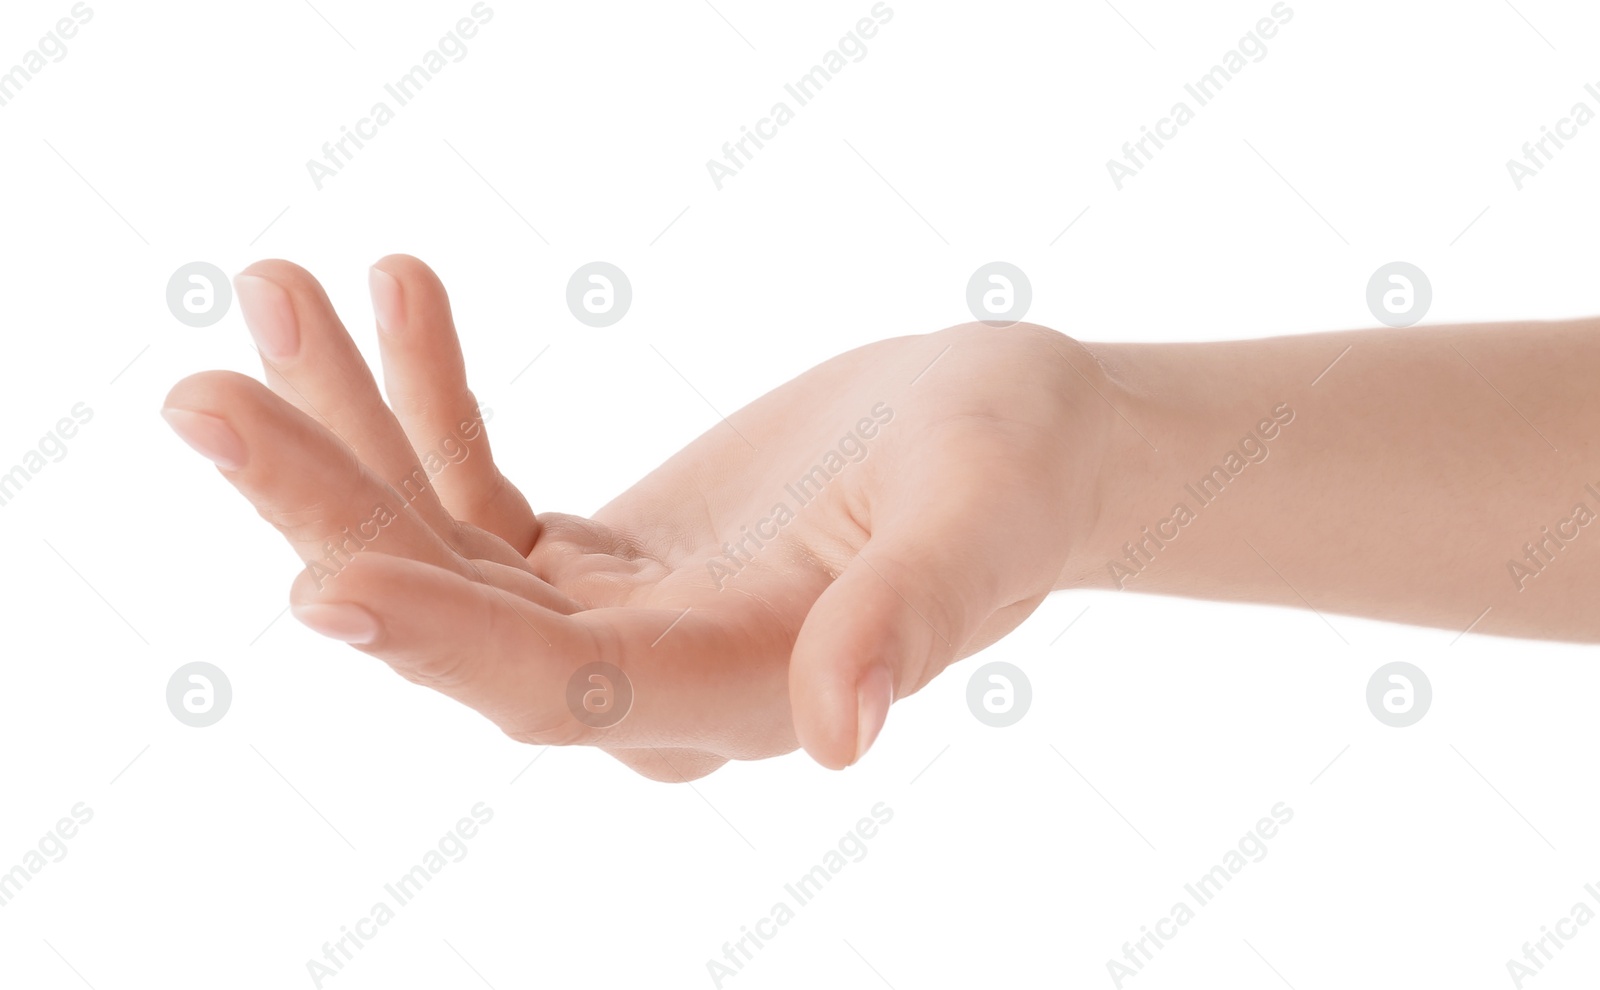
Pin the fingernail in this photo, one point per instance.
(874, 695)
(345, 623)
(269, 313)
(388, 305)
(210, 436)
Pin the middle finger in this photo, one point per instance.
(312, 362)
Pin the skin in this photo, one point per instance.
(978, 469)
(1420, 466)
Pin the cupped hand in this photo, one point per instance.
(824, 551)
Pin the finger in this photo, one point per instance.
(426, 381)
(666, 765)
(311, 361)
(697, 684)
(950, 560)
(880, 630)
(679, 685)
(936, 567)
(507, 658)
(301, 478)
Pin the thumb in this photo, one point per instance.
(894, 618)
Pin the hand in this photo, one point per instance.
(828, 549)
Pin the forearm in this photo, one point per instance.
(1428, 475)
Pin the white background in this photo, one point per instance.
(226, 856)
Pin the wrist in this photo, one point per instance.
(1113, 449)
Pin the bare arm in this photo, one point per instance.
(1421, 475)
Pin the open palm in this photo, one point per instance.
(827, 549)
